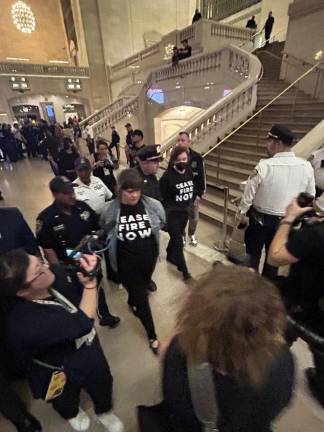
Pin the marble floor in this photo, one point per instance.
(136, 371)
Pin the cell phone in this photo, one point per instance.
(77, 256)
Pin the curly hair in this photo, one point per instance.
(234, 319)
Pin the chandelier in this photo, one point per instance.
(23, 17)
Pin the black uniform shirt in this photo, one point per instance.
(198, 170)
(15, 232)
(59, 231)
(306, 277)
(151, 187)
(47, 332)
(66, 163)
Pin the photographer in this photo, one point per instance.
(51, 336)
(104, 166)
(303, 289)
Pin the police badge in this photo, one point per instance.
(85, 215)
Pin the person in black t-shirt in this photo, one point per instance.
(115, 140)
(66, 159)
(104, 166)
(62, 226)
(177, 190)
(134, 244)
(185, 52)
(234, 320)
(129, 142)
(303, 290)
(50, 330)
(137, 145)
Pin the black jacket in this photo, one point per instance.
(151, 187)
(198, 170)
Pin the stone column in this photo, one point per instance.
(99, 81)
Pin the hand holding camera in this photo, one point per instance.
(88, 265)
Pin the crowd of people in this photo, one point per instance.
(233, 320)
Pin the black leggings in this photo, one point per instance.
(135, 273)
(177, 221)
(97, 382)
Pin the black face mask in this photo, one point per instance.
(181, 166)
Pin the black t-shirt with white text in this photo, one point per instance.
(177, 189)
(134, 230)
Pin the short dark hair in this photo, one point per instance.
(130, 179)
(13, 270)
(175, 153)
(138, 132)
(102, 141)
(185, 133)
(184, 40)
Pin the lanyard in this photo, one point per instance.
(61, 301)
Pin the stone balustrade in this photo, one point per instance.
(105, 112)
(37, 70)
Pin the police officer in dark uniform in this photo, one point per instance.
(148, 159)
(135, 147)
(62, 225)
(15, 232)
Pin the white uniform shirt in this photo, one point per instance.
(316, 161)
(95, 194)
(276, 182)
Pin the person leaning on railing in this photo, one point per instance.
(234, 320)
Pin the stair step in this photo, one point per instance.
(226, 180)
(212, 215)
(243, 153)
(217, 202)
(247, 164)
(240, 172)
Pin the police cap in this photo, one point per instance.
(281, 133)
(150, 152)
(82, 163)
(60, 184)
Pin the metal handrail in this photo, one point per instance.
(221, 245)
(272, 39)
(316, 65)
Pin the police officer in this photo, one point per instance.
(272, 185)
(89, 188)
(302, 291)
(149, 158)
(15, 232)
(198, 170)
(317, 161)
(62, 225)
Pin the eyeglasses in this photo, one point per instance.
(41, 272)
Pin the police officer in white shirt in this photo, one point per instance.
(89, 188)
(271, 187)
(317, 161)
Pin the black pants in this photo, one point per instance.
(135, 274)
(257, 236)
(103, 309)
(267, 35)
(97, 382)
(177, 221)
(111, 146)
(10, 404)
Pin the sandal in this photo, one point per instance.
(154, 346)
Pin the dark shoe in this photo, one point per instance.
(152, 286)
(155, 346)
(314, 386)
(30, 424)
(1, 197)
(186, 276)
(109, 321)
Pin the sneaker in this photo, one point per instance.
(193, 241)
(111, 422)
(81, 422)
(184, 241)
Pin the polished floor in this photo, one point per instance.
(136, 371)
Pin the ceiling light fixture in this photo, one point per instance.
(23, 17)
(58, 61)
(17, 58)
